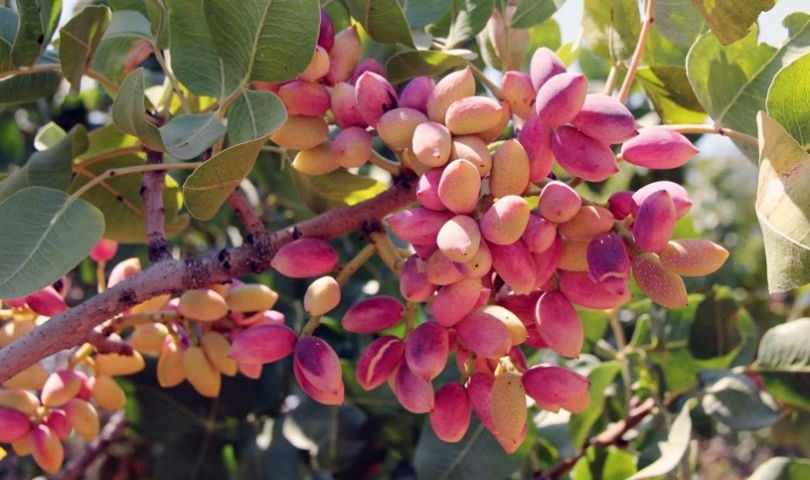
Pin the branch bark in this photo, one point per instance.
(171, 276)
(152, 187)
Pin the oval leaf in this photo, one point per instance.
(732, 81)
(678, 20)
(208, 187)
(783, 206)
(334, 190)
(782, 468)
(467, 18)
(735, 400)
(476, 455)
(411, 64)
(52, 234)
(129, 114)
(673, 450)
(612, 28)
(38, 21)
(253, 115)
(419, 14)
(383, 20)
(731, 20)
(29, 87)
(78, 41)
(187, 136)
(529, 14)
(787, 100)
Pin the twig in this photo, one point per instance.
(174, 276)
(610, 436)
(112, 431)
(243, 210)
(105, 344)
(636, 58)
(621, 348)
(481, 76)
(725, 132)
(154, 213)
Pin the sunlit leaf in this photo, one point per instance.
(612, 28)
(673, 449)
(187, 136)
(467, 18)
(334, 190)
(671, 94)
(129, 114)
(783, 206)
(48, 136)
(119, 197)
(732, 81)
(731, 20)
(383, 20)
(410, 64)
(78, 41)
(253, 115)
(208, 187)
(598, 463)
(678, 20)
(529, 14)
(274, 42)
(38, 21)
(52, 234)
(787, 100)
(782, 468)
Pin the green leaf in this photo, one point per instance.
(783, 206)
(671, 94)
(187, 136)
(731, 20)
(334, 190)
(546, 34)
(732, 82)
(782, 468)
(127, 31)
(410, 64)
(678, 20)
(467, 18)
(8, 30)
(383, 20)
(783, 361)
(129, 113)
(476, 455)
(421, 13)
(714, 331)
(674, 448)
(787, 100)
(274, 41)
(601, 377)
(612, 27)
(48, 136)
(38, 21)
(735, 400)
(53, 167)
(52, 234)
(50, 168)
(78, 41)
(609, 463)
(119, 197)
(154, 11)
(529, 14)
(208, 187)
(25, 88)
(253, 115)
(784, 348)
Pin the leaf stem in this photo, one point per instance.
(387, 251)
(112, 86)
(173, 80)
(494, 89)
(725, 132)
(378, 160)
(621, 355)
(636, 58)
(129, 170)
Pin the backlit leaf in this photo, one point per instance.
(787, 100)
(78, 41)
(334, 190)
(129, 114)
(731, 20)
(383, 20)
(529, 14)
(208, 187)
(783, 206)
(612, 27)
(411, 64)
(673, 449)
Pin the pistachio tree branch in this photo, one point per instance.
(71, 327)
(244, 210)
(154, 212)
